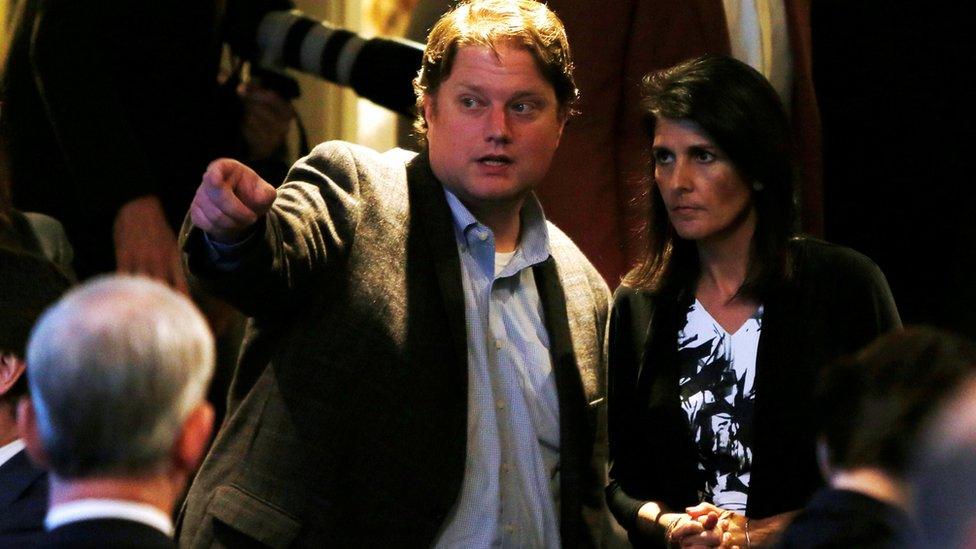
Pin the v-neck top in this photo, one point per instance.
(717, 373)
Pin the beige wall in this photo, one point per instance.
(328, 111)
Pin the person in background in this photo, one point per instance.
(943, 473)
(118, 370)
(113, 109)
(28, 284)
(718, 336)
(874, 407)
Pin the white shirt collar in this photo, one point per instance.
(88, 509)
(9, 450)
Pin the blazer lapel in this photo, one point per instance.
(574, 443)
(427, 196)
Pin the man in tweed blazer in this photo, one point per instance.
(425, 361)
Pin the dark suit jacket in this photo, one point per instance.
(347, 416)
(836, 302)
(105, 533)
(839, 519)
(23, 496)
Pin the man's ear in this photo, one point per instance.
(428, 106)
(563, 118)
(27, 425)
(11, 369)
(194, 438)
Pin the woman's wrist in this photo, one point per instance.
(669, 522)
(654, 519)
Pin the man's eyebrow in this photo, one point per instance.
(522, 94)
(474, 88)
(519, 94)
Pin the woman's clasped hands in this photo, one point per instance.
(705, 525)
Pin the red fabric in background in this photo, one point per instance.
(595, 190)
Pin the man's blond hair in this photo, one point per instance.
(488, 23)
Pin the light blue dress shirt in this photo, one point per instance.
(510, 492)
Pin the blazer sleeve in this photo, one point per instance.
(304, 236)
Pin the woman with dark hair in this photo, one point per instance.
(718, 335)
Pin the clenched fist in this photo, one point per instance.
(231, 198)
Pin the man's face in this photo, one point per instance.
(492, 127)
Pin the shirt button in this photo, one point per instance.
(506, 468)
(482, 236)
(509, 528)
(499, 344)
(500, 404)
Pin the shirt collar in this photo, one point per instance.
(89, 509)
(9, 450)
(534, 237)
(463, 220)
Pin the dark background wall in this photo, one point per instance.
(893, 82)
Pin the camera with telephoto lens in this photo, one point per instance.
(276, 81)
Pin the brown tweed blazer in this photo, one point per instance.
(346, 419)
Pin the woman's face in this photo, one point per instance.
(706, 198)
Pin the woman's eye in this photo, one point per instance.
(663, 157)
(704, 157)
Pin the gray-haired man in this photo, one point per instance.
(118, 370)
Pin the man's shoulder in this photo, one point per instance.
(360, 170)
(345, 154)
(841, 518)
(21, 480)
(23, 500)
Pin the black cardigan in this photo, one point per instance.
(836, 301)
